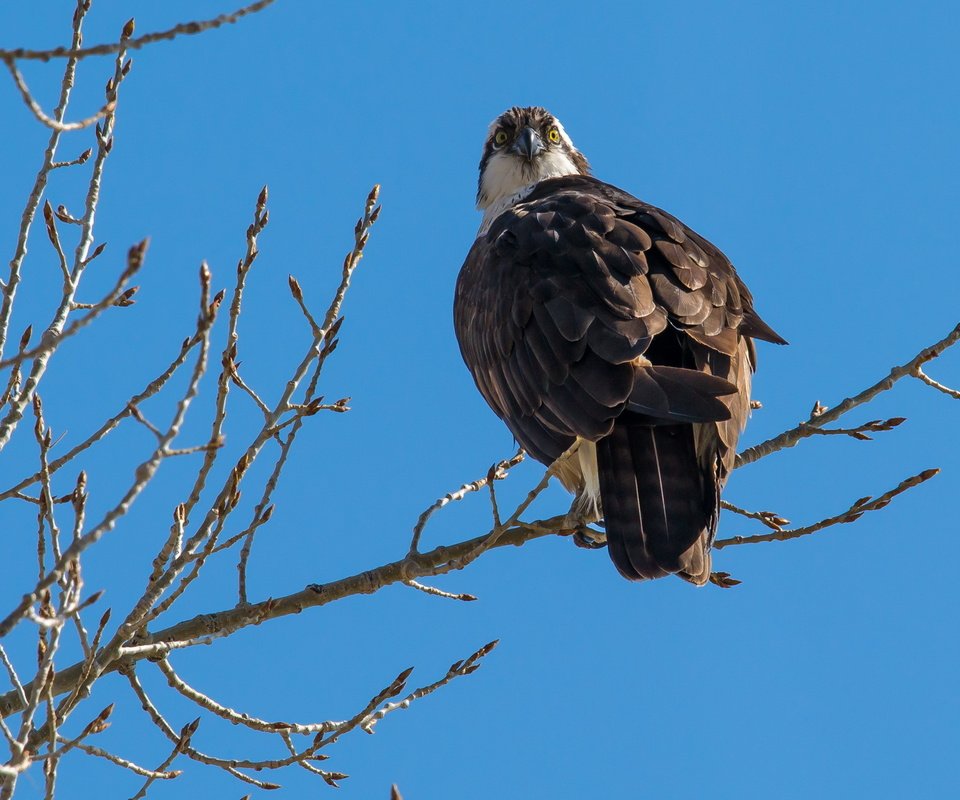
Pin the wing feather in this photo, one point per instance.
(566, 300)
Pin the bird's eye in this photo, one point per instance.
(554, 135)
(500, 138)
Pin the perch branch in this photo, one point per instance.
(227, 621)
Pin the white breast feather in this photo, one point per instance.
(508, 179)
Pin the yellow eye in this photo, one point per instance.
(500, 138)
(554, 135)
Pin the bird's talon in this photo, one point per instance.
(584, 538)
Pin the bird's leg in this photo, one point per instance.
(583, 513)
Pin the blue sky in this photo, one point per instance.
(815, 143)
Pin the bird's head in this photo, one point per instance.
(524, 146)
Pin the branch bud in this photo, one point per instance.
(372, 197)
(126, 299)
(295, 289)
(97, 251)
(135, 256)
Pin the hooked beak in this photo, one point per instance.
(528, 144)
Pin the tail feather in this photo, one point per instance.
(621, 508)
(659, 506)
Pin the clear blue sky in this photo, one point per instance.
(815, 143)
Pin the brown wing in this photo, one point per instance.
(561, 303)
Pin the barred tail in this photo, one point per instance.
(659, 507)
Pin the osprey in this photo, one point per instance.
(588, 316)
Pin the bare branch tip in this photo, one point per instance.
(135, 256)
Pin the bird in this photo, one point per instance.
(615, 343)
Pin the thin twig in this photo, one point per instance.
(433, 590)
(97, 725)
(920, 374)
(142, 477)
(459, 494)
(493, 537)
(806, 429)
(323, 345)
(182, 743)
(227, 621)
(52, 339)
(150, 390)
(457, 669)
(34, 106)
(40, 182)
(127, 764)
(54, 236)
(14, 678)
(235, 717)
(768, 518)
(861, 432)
(76, 52)
(57, 325)
(80, 159)
(856, 510)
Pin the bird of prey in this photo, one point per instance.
(588, 316)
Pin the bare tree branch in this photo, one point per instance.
(40, 182)
(38, 112)
(230, 620)
(768, 518)
(809, 428)
(75, 52)
(921, 375)
(474, 486)
(53, 331)
(856, 510)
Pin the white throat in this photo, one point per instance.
(506, 180)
